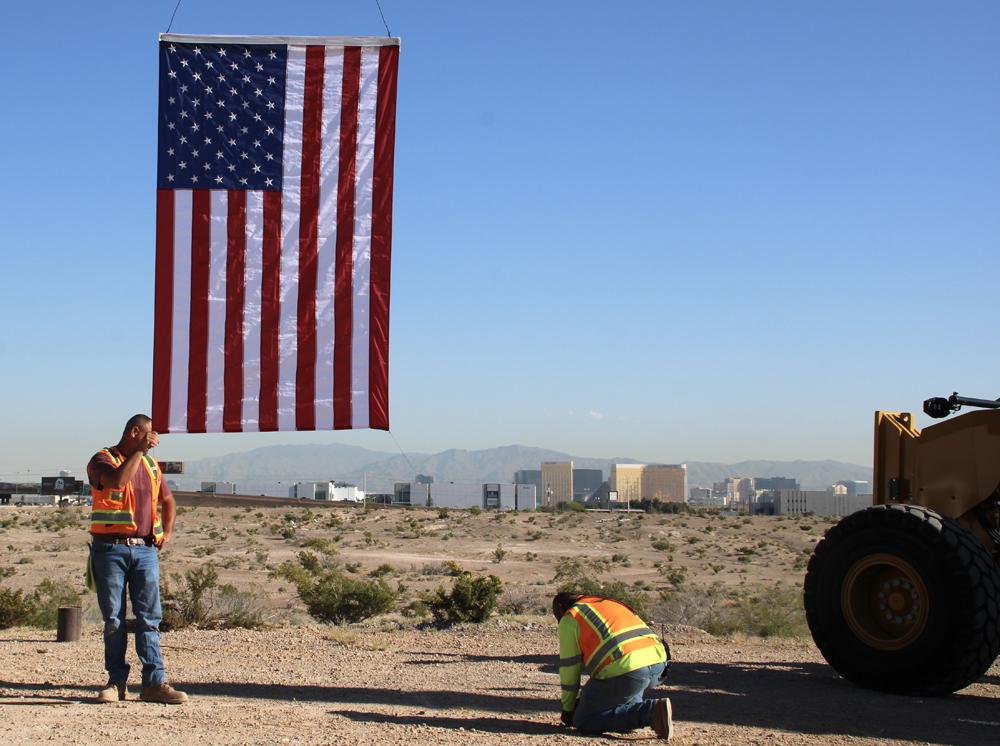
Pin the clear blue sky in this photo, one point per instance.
(702, 231)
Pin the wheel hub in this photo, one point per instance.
(885, 602)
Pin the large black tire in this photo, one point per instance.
(903, 599)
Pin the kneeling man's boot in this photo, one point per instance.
(163, 693)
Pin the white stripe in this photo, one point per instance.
(251, 311)
(181, 323)
(291, 199)
(333, 87)
(363, 236)
(216, 360)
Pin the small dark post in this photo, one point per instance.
(68, 624)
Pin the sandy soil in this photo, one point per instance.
(302, 683)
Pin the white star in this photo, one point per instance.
(196, 76)
(244, 156)
(197, 51)
(172, 74)
(258, 92)
(220, 103)
(256, 143)
(170, 125)
(183, 89)
(220, 129)
(269, 182)
(208, 166)
(232, 117)
(184, 63)
(210, 65)
(222, 79)
(171, 100)
(170, 177)
(270, 104)
(271, 80)
(170, 151)
(194, 177)
(208, 140)
(232, 143)
(218, 154)
(233, 66)
(246, 78)
(256, 169)
(196, 102)
(194, 153)
(231, 167)
(243, 130)
(270, 130)
(259, 67)
(246, 52)
(183, 140)
(258, 118)
(246, 104)
(273, 56)
(270, 157)
(184, 115)
(172, 48)
(222, 52)
(208, 90)
(243, 182)
(195, 127)
(182, 164)
(232, 92)
(208, 115)
(218, 179)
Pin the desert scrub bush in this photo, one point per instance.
(325, 546)
(60, 519)
(662, 545)
(474, 510)
(530, 556)
(335, 598)
(499, 554)
(383, 569)
(472, 599)
(49, 595)
(15, 607)
(692, 539)
(520, 599)
(574, 579)
(761, 611)
(200, 601)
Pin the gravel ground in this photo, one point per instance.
(491, 685)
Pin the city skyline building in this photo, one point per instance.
(557, 482)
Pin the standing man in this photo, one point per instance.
(622, 656)
(127, 532)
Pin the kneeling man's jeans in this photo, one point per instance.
(119, 568)
(616, 705)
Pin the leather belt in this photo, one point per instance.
(132, 541)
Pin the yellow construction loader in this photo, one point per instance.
(904, 596)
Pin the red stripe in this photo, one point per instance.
(312, 141)
(201, 255)
(163, 312)
(270, 311)
(236, 261)
(385, 143)
(343, 309)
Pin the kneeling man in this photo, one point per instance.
(622, 656)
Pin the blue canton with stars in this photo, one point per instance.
(222, 116)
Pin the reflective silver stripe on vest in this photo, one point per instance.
(595, 619)
(571, 687)
(613, 644)
(563, 662)
(111, 517)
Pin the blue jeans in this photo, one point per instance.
(119, 568)
(616, 705)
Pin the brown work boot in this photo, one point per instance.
(163, 693)
(111, 692)
(663, 720)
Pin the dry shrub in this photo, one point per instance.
(757, 611)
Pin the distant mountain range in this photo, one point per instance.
(352, 464)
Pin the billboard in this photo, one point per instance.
(171, 467)
(61, 486)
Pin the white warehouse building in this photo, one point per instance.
(825, 503)
(492, 496)
(336, 491)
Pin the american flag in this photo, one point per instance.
(273, 233)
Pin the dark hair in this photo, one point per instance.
(565, 600)
(137, 420)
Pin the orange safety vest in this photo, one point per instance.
(113, 511)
